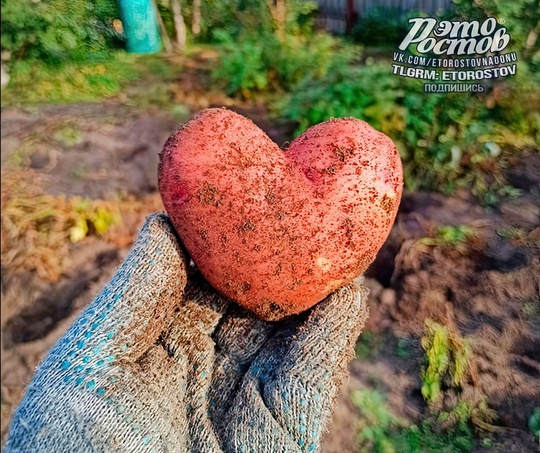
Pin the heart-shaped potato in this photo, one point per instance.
(278, 230)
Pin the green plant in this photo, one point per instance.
(493, 195)
(450, 236)
(521, 18)
(446, 371)
(59, 51)
(90, 216)
(534, 422)
(56, 30)
(259, 60)
(243, 68)
(68, 136)
(403, 348)
(296, 57)
(236, 17)
(446, 141)
(426, 438)
(38, 82)
(347, 91)
(381, 431)
(269, 47)
(378, 425)
(382, 27)
(459, 416)
(447, 360)
(367, 345)
(486, 442)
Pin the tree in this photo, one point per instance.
(196, 17)
(179, 24)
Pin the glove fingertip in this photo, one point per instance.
(349, 301)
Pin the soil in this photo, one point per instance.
(485, 288)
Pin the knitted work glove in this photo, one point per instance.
(161, 362)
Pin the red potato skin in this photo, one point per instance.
(278, 231)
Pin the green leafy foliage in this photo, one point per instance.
(521, 18)
(381, 431)
(446, 140)
(68, 136)
(258, 61)
(450, 236)
(295, 58)
(534, 422)
(265, 49)
(403, 348)
(237, 17)
(454, 235)
(60, 51)
(243, 67)
(427, 439)
(447, 368)
(37, 82)
(368, 344)
(343, 92)
(382, 27)
(56, 30)
(378, 426)
(447, 356)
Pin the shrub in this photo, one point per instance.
(258, 61)
(382, 27)
(242, 67)
(445, 140)
(521, 18)
(364, 92)
(268, 49)
(236, 17)
(56, 30)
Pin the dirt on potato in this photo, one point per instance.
(272, 229)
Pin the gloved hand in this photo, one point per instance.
(159, 361)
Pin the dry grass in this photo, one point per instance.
(38, 229)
